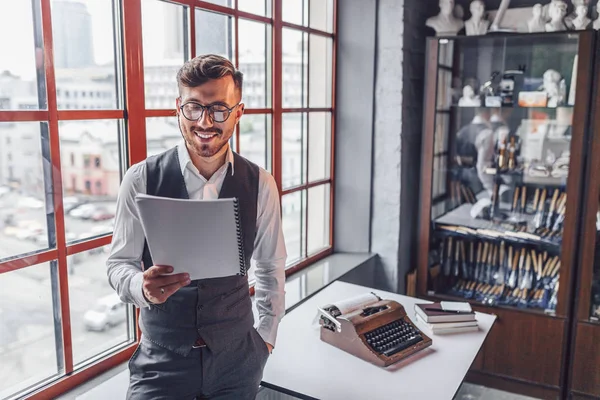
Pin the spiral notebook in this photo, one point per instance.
(201, 237)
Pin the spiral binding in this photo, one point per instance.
(240, 237)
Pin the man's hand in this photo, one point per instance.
(158, 287)
(270, 347)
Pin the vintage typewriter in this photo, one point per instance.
(378, 331)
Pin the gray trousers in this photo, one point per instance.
(233, 373)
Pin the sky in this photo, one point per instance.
(16, 31)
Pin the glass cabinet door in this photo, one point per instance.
(501, 158)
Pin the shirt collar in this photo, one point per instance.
(184, 157)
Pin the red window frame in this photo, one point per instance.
(135, 116)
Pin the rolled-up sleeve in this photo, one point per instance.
(270, 256)
(124, 267)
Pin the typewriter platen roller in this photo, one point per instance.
(380, 333)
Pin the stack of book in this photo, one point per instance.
(445, 317)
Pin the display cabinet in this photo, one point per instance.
(584, 376)
(505, 130)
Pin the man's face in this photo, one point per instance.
(205, 137)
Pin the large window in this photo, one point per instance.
(81, 99)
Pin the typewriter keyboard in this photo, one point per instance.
(393, 337)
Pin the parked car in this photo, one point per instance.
(109, 311)
(84, 211)
(102, 214)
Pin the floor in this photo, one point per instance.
(475, 392)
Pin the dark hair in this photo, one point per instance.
(203, 68)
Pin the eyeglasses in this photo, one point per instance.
(216, 112)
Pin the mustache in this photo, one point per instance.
(209, 130)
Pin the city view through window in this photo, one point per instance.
(92, 127)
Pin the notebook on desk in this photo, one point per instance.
(433, 312)
(201, 237)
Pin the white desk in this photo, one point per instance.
(303, 365)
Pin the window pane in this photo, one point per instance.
(321, 15)
(318, 218)
(224, 3)
(98, 318)
(293, 151)
(255, 139)
(163, 38)
(295, 12)
(23, 200)
(294, 68)
(90, 163)
(292, 218)
(255, 63)
(259, 7)
(320, 71)
(84, 62)
(214, 34)
(27, 330)
(161, 134)
(18, 83)
(319, 141)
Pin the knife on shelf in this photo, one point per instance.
(536, 196)
(539, 215)
(527, 278)
(471, 260)
(484, 258)
(552, 209)
(515, 200)
(492, 266)
(512, 279)
(465, 262)
(456, 266)
(448, 258)
(499, 276)
(554, 272)
(523, 199)
(562, 206)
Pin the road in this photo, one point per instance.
(27, 342)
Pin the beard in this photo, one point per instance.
(204, 147)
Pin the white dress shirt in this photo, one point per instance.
(124, 262)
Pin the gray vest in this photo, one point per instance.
(218, 310)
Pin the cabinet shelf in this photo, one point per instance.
(435, 296)
(461, 217)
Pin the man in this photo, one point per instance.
(198, 339)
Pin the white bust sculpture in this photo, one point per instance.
(469, 99)
(537, 23)
(477, 24)
(557, 12)
(569, 18)
(551, 86)
(445, 23)
(581, 20)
